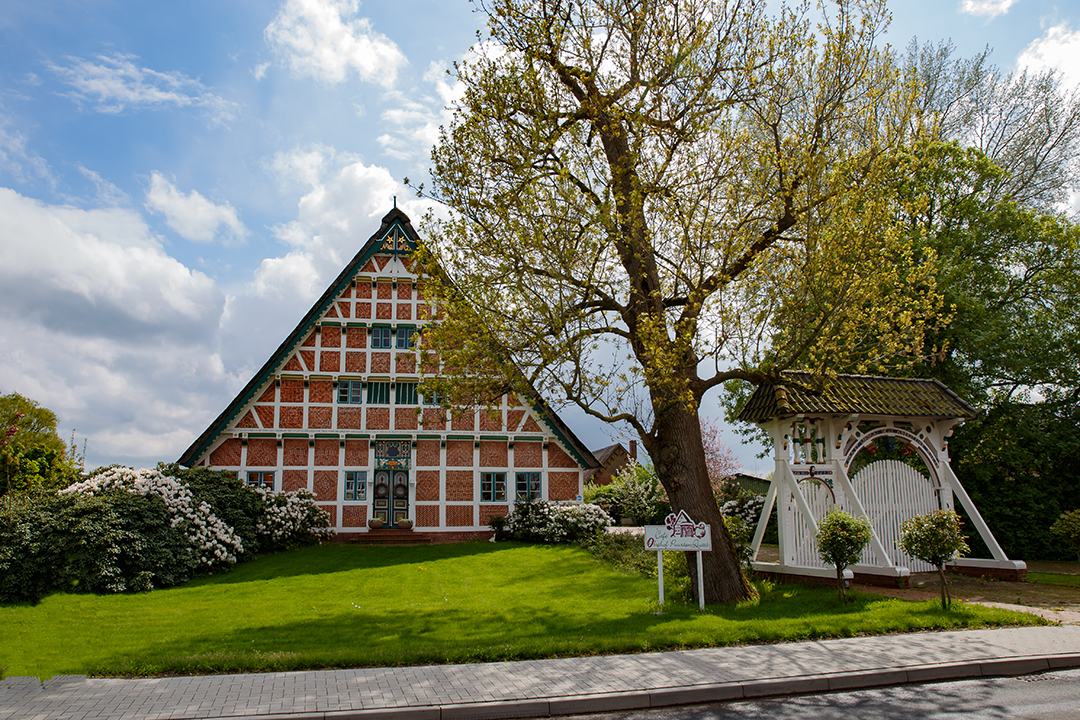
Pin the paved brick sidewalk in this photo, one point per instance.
(556, 687)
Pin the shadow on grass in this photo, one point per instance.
(332, 558)
(411, 635)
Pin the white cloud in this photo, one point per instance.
(107, 330)
(107, 193)
(417, 119)
(192, 216)
(1058, 49)
(21, 163)
(259, 71)
(114, 83)
(325, 39)
(991, 8)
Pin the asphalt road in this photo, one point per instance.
(1046, 696)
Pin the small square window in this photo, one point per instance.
(261, 480)
(378, 393)
(355, 484)
(350, 392)
(528, 486)
(380, 338)
(492, 487)
(405, 337)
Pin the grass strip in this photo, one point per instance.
(1054, 579)
(349, 606)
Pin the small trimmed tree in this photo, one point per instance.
(1068, 527)
(841, 538)
(935, 538)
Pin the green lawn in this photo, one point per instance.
(1054, 579)
(348, 606)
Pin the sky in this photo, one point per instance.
(180, 181)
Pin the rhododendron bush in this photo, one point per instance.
(125, 530)
(556, 522)
(211, 541)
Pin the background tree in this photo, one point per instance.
(32, 454)
(841, 539)
(652, 197)
(935, 538)
(1068, 528)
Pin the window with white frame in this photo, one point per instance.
(261, 480)
(493, 487)
(380, 338)
(355, 484)
(405, 337)
(528, 486)
(350, 391)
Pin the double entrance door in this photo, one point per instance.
(391, 501)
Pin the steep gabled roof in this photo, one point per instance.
(395, 234)
(863, 394)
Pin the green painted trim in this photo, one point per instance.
(353, 436)
(295, 435)
(563, 441)
(262, 435)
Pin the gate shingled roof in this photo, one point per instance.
(863, 394)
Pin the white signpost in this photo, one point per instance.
(679, 532)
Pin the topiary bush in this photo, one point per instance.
(840, 540)
(935, 538)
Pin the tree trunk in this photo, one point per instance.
(679, 456)
(840, 585)
(944, 589)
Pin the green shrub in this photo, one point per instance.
(635, 493)
(553, 522)
(840, 540)
(627, 553)
(236, 504)
(1068, 527)
(935, 538)
(291, 520)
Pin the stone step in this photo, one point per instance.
(391, 536)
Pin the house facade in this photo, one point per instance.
(336, 410)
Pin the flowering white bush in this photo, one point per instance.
(290, 519)
(555, 522)
(212, 541)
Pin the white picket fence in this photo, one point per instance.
(890, 492)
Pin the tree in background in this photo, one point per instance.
(653, 197)
(841, 539)
(935, 538)
(1068, 528)
(32, 454)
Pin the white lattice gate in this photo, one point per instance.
(892, 492)
(820, 501)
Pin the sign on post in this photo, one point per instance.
(679, 532)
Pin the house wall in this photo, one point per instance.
(296, 428)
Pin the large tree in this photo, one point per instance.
(651, 197)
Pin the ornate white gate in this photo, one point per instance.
(892, 492)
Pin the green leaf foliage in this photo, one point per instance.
(841, 538)
(32, 454)
(1018, 464)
